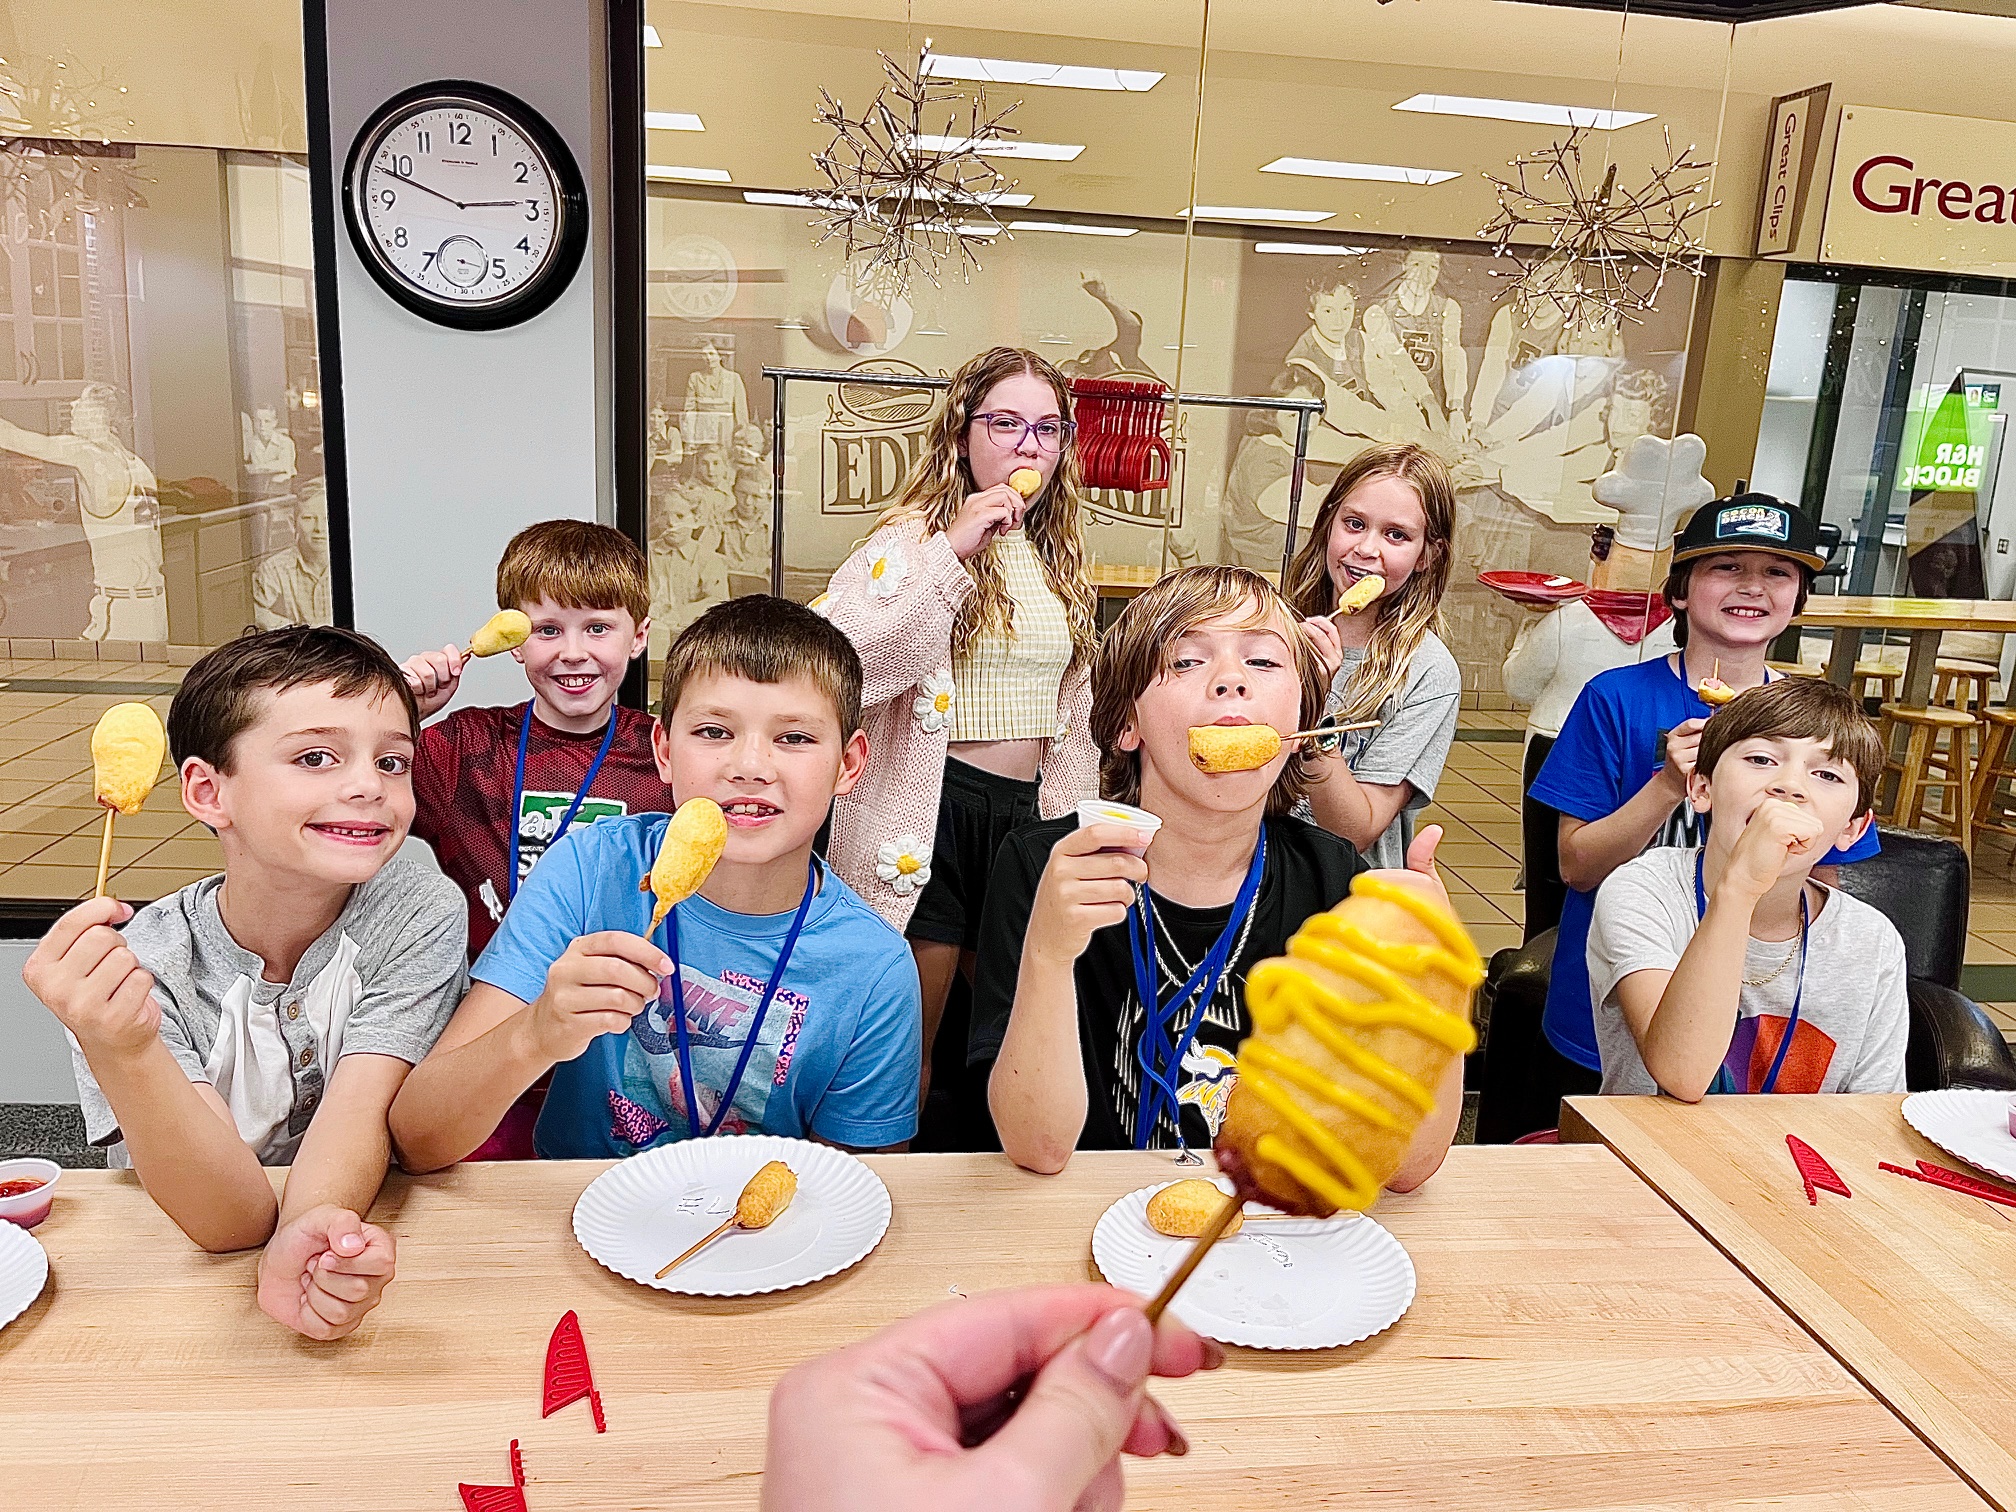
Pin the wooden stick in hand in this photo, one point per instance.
(104, 855)
(1191, 1261)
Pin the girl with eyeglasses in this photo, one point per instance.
(976, 624)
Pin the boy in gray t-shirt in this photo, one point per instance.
(269, 1015)
(1727, 968)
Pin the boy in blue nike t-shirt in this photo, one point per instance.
(1741, 570)
(799, 1005)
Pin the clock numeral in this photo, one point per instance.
(497, 267)
(426, 261)
(525, 245)
(425, 140)
(387, 198)
(458, 133)
(493, 144)
(398, 236)
(401, 163)
(532, 210)
(523, 172)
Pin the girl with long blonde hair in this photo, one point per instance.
(976, 624)
(1391, 513)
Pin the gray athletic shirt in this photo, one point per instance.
(1854, 1016)
(1411, 743)
(382, 980)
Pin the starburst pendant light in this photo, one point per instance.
(1606, 251)
(900, 209)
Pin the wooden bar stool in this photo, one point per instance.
(1995, 810)
(1963, 684)
(1878, 680)
(1927, 766)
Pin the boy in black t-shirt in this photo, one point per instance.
(1072, 1059)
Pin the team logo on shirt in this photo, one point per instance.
(539, 816)
(1212, 1073)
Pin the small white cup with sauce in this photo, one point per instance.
(1106, 811)
(29, 1204)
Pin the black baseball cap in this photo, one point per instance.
(1750, 522)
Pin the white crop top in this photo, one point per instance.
(1008, 682)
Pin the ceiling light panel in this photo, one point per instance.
(1257, 213)
(1054, 75)
(1311, 249)
(1010, 147)
(1529, 111)
(690, 175)
(1070, 230)
(1380, 173)
(651, 36)
(672, 120)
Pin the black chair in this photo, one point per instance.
(1919, 882)
(1540, 845)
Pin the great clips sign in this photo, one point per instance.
(1922, 191)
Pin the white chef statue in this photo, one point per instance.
(1622, 619)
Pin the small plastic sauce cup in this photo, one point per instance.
(1106, 811)
(28, 1208)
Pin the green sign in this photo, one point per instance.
(1946, 438)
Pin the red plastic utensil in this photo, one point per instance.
(568, 1378)
(1814, 1170)
(1953, 1181)
(509, 1498)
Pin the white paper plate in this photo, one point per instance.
(643, 1211)
(24, 1271)
(1311, 1283)
(1972, 1125)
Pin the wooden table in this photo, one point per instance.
(1848, 615)
(1911, 1287)
(1574, 1345)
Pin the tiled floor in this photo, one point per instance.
(1477, 803)
(49, 822)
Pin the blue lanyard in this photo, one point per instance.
(678, 985)
(1158, 1086)
(518, 792)
(1799, 987)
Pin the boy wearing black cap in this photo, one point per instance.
(1618, 774)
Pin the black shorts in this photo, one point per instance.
(976, 810)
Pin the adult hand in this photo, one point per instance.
(1683, 743)
(982, 517)
(1087, 884)
(1776, 832)
(323, 1271)
(1420, 875)
(433, 676)
(600, 983)
(940, 1411)
(85, 975)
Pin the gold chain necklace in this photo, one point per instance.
(1791, 950)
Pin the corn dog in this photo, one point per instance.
(693, 842)
(505, 630)
(1361, 593)
(127, 747)
(1233, 748)
(1184, 1209)
(1026, 481)
(768, 1193)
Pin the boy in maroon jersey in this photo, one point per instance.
(498, 786)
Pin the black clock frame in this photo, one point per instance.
(570, 234)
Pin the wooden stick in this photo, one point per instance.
(1191, 1261)
(104, 855)
(1363, 724)
(695, 1249)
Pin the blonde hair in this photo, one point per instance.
(1405, 618)
(942, 479)
(1136, 651)
(576, 564)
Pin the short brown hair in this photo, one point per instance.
(1136, 652)
(1680, 574)
(218, 700)
(766, 640)
(576, 564)
(1795, 708)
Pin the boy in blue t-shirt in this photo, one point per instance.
(1618, 774)
(800, 1006)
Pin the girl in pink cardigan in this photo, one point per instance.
(976, 625)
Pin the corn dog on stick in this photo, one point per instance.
(766, 1196)
(1361, 593)
(1184, 1209)
(127, 746)
(503, 631)
(1233, 748)
(1026, 481)
(693, 842)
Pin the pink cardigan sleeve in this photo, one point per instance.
(1070, 761)
(900, 619)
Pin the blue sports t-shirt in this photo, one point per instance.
(838, 1053)
(1612, 744)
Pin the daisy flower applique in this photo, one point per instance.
(904, 864)
(933, 704)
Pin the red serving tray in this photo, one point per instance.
(1537, 588)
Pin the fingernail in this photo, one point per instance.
(1214, 1354)
(1120, 1345)
(1179, 1441)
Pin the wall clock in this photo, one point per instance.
(465, 205)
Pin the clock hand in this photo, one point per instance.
(425, 189)
(484, 204)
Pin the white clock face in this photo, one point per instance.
(458, 203)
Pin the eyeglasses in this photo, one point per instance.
(1008, 430)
